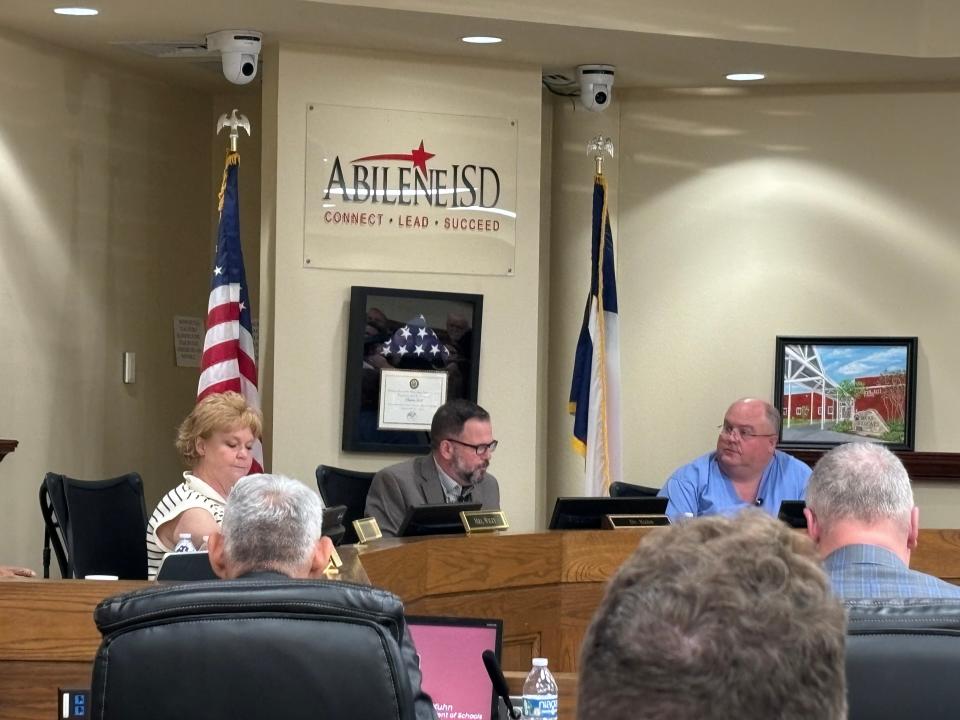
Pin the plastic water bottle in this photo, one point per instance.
(184, 544)
(540, 692)
(204, 547)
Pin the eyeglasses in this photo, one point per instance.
(481, 449)
(744, 433)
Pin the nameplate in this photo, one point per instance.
(617, 522)
(333, 566)
(367, 529)
(483, 520)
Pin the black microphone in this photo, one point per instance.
(758, 502)
(499, 682)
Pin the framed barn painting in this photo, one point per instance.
(835, 390)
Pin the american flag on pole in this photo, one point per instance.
(595, 391)
(229, 358)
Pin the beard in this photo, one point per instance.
(466, 476)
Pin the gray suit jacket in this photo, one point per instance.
(417, 482)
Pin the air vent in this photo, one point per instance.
(561, 84)
(186, 49)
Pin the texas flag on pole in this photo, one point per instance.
(229, 358)
(595, 391)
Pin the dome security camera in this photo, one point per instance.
(596, 86)
(239, 52)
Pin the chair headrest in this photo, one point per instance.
(255, 595)
(866, 616)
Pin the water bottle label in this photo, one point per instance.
(542, 707)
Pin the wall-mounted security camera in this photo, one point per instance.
(596, 86)
(239, 51)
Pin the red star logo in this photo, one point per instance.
(418, 156)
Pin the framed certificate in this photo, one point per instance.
(408, 352)
(409, 398)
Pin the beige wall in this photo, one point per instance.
(822, 212)
(309, 305)
(104, 236)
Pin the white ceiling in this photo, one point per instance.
(653, 43)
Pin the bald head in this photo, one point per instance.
(756, 405)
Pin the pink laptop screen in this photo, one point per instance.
(451, 663)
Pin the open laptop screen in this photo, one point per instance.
(186, 566)
(438, 519)
(451, 662)
(586, 513)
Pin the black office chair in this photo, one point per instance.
(95, 527)
(625, 489)
(903, 659)
(345, 487)
(253, 648)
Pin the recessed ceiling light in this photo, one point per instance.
(745, 77)
(481, 39)
(76, 11)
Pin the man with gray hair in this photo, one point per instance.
(271, 530)
(861, 515)
(271, 524)
(746, 469)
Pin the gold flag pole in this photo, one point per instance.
(234, 122)
(597, 147)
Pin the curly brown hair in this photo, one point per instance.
(717, 618)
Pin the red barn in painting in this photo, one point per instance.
(809, 406)
(884, 393)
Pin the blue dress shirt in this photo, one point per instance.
(701, 488)
(872, 572)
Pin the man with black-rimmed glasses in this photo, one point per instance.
(462, 444)
(746, 469)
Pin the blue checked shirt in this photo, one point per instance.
(868, 571)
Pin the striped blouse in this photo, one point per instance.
(191, 493)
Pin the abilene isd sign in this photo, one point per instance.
(409, 191)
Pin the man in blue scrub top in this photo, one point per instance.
(746, 470)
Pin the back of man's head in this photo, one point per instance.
(717, 618)
(861, 481)
(270, 522)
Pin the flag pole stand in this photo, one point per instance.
(597, 147)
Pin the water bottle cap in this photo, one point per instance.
(185, 535)
(539, 662)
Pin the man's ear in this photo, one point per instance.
(914, 533)
(321, 557)
(445, 449)
(771, 445)
(813, 527)
(217, 557)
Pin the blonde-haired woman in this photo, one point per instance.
(216, 442)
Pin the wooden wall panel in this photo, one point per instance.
(545, 586)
